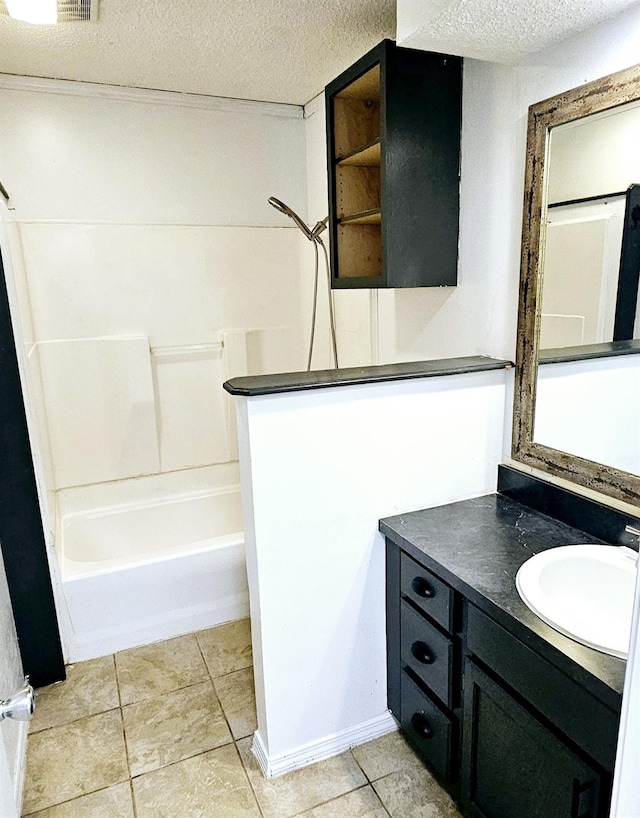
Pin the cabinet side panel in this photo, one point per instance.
(421, 193)
(393, 627)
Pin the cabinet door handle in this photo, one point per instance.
(421, 726)
(422, 653)
(581, 793)
(421, 587)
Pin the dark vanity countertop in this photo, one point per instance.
(252, 386)
(477, 546)
(612, 349)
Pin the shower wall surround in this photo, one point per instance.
(148, 268)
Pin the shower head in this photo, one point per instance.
(283, 208)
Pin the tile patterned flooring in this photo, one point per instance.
(165, 731)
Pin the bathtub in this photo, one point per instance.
(139, 572)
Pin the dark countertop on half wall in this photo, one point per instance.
(586, 352)
(254, 385)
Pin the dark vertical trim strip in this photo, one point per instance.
(21, 533)
(627, 298)
(392, 592)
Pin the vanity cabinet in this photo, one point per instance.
(506, 731)
(393, 148)
(513, 765)
(535, 742)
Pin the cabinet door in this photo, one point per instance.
(513, 767)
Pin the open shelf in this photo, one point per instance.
(368, 217)
(359, 250)
(366, 87)
(356, 165)
(357, 190)
(356, 114)
(366, 156)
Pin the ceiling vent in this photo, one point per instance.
(70, 11)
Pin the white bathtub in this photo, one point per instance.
(139, 572)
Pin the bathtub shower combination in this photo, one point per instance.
(142, 571)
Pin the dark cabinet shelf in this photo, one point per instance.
(393, 139)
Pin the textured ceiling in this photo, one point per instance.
(498, 30)
(277, 50)
(273, 50)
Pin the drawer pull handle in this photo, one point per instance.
(421, 652)
(421, 726)
(422, 588)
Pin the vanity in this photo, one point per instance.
(511, 716)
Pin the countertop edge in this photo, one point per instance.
(255, 385)
(611, 349)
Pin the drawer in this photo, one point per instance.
(427, 592)
(427, 728)
(427, 652)
(553, 694)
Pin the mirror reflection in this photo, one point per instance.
(588, 374)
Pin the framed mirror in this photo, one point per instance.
(577, 391)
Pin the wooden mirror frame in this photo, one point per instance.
(594, 97)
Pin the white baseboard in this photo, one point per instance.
(333, 745)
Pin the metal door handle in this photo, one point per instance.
(20, 706)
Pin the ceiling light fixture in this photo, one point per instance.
(49, 12)
(43, 12)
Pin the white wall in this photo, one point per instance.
(150, 267)
(590, 408)
(595, 155)
(319, 468)
(143, 214)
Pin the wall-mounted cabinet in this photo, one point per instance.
(393, 147)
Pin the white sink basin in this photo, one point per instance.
(583, 591)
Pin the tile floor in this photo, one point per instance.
(165, 730)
